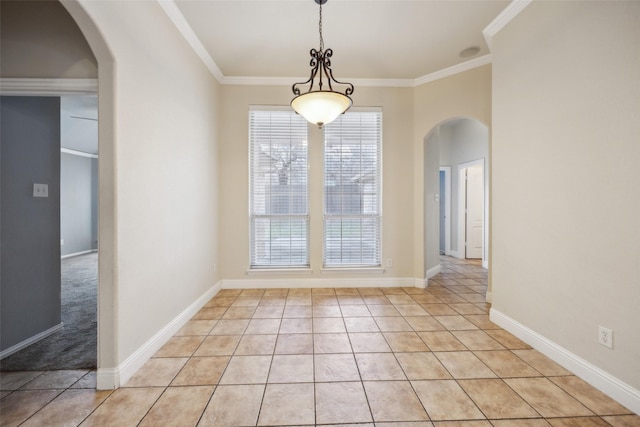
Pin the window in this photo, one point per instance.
(352, 189)
(278, 189)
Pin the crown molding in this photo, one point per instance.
(48, 87)
(178, 19)
(509, 12)
(456, 69)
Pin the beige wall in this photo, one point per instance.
(38, 39)
(566, 198)
(159, 119)
(396, 104)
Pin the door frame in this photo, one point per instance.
(462, 167)
(446, 199)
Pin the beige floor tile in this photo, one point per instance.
(331, 343)
(298, 300)
(297, 312)
(20, 405)
(405, 342)
(246, 301)
(466, 308)
(411, 310)
(324, 300)
(263, 326)
(439, 309)
(178, 406)
(157, 372)
(455, 323)
(276, 292)
(521, 423)
(53, 380)
(355, 311)
(623, 420)
(369, 291)
(591, 397)
(578, 422)
(294, 344)
(401, 299)
(350, 300)
(394, 401)
(69, 408)
(252, 292)
(424, 323)
(383, 310)
(379, 366)
(273, 301)
(547, 398)
(221, 301)
(445, 400)
(422, 366)
(15, 380)
(197, 327)
(88, 381)
(477, 340)
(393, 291)
(341, 402)
(220, 345)
(451, 299)
(4, 394)
(371, 342)
(326, 311)
(296, 326)
(403, 424)
(474, 297)
(233, 405)
(323, 291)
(253, 345)
(247, 370)
(180, 346)
(506, 364)
(210, 313)
(299, 292)
(482, 321)
(541, 363)
(441, 341)
(202, 371)
(475, 423)
(376, 300)
(239, 313)
(497, 400)
(296, 368)
(393, 324)
(426, 299)
(230, 327)
(464, 364)
(328, 325)
(507, 340)
(124, 407)
(288, 404)
(229, 293)
(268, 312)
(335, 367)
(361, 324)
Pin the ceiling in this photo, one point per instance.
(372, 39)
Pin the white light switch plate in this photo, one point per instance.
(40, 190)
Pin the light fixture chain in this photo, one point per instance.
(320, 29)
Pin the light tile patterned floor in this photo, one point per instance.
(368, 356)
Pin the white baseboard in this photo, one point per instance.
(360, 282)
(78, 253)
(433, 271)
(489, 297)
(31, 340)
(455, 254)
(603, 381)
(111, 378)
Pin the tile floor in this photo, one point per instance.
(366, 357)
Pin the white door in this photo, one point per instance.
(474, 199)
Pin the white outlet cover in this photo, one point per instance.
(40, 190)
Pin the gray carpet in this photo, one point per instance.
(75, 346)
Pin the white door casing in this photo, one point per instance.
(474, 208)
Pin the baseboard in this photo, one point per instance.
(343, 282)
(78, 253)
(603, 381)
(455, 254)
(32, 340)
(433, 271)
(111, 378)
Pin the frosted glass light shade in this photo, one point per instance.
(321, 107)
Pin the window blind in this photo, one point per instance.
(352, 189)
(278, 189)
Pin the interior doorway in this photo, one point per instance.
(472, 216)
(445, 210)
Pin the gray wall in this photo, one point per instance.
(77, 204)
(30, 227)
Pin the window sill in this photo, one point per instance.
(352, 270)
(278, 271)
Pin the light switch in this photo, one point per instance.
(40, 190)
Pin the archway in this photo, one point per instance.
(455, 144)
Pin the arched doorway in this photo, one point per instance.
(456, 150)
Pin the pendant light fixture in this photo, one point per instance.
(322, 105)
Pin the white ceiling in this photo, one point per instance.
(372, 39)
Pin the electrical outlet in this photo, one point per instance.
(389, 262)
(605, 337)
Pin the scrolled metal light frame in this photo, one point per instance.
(320, 64)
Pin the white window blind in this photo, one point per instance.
(278, 189)
(352, 189)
